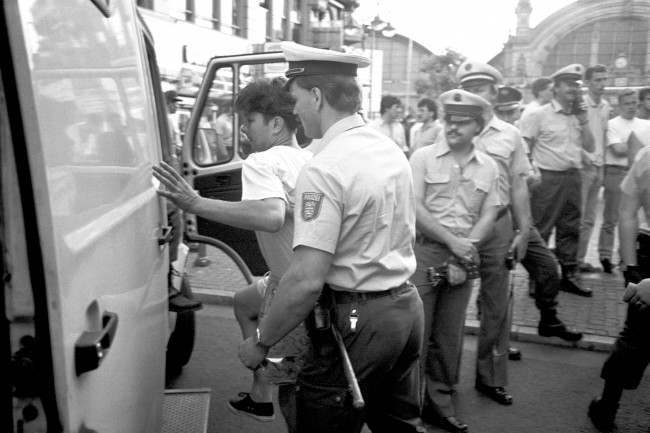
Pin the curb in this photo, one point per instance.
(528, 334)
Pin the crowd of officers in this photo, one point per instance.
(386, 253)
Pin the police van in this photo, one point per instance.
(87, 336)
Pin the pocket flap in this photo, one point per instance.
(437, 177)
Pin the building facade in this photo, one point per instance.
(615, 33)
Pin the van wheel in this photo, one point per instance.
(181, 340)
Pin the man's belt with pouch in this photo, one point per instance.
(344, 297)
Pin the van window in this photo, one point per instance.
(214, 141)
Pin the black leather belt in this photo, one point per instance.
(341, 297)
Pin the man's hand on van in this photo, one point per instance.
(175, 188)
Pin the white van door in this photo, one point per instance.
(213, 148)
(84, 126)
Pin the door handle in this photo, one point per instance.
(166, 235)
(92, 346)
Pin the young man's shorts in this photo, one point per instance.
(290, 352)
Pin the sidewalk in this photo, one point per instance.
(600, 318)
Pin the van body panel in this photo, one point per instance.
(91, 137)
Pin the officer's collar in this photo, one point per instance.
(442, 148)
(494, 123)
(349, 122)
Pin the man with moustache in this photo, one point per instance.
(556, 134)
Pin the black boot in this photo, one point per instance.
(571, 283)
(551, 326)
(602, 414)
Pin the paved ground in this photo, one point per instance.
(599, 317)
(552, 386)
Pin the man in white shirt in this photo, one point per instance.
(427, 128)
(616, 164)
(269, 178)
(598, 110)
(389, 123)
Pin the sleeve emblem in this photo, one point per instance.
(311, 203)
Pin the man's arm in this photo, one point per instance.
(426, 223)
(586, 134)
(267, 214)
(628, 228)
(297, 293)
(520, 201)
(484, 224)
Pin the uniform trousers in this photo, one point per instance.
(384, 351)
(592, 180)
(444, 321)
(631, 353)
(541, 265)
(555, 203)
(494, 306)
(612, 194)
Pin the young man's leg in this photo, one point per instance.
(259, 402)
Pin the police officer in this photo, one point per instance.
(508, 104)
(625, 366)
(456, 204)
(556, 134)
(503, 142)
(354, 233)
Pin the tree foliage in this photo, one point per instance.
(438, 73)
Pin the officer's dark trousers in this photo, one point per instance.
(541, 265)
(555, 203)
(444, 314)
(384, 351)
(631, 353)
(493, 304)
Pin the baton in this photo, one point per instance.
(357, 398)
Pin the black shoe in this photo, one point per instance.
(496, 393)
(179, 303)
(514, 354)
(246, 406)
(571, 283)
(601, 415)
(557, 329)
(449, 423)
(588, 268)
(607, 265)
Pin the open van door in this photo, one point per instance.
(213, 148)
(83, 227)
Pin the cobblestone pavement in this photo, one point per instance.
(600, 317)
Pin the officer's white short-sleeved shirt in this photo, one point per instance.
(355, 201)
(504, 143)
(273, 174)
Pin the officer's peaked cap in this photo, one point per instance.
(305, 61)
(470, 70)
(460, 105)
(573, 72)
(508, 98)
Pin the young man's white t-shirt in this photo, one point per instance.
(273, 174)
(619, 130)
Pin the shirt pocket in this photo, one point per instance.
(437, 185)
(477, 191)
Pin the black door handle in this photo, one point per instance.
(166, 235)
(92, 346)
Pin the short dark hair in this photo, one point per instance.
(431, 106)
(624, 93)
(269, 98)
(591, 70)
(388, 101)
(643, 92)
(342, 92)
(539, 85)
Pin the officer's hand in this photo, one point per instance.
(464, 249)
(519, 246)
(455, 275)
(638, 294)
(534, 178)
(250, 354)
(583, 115)
(175, 187)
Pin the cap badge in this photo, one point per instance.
(468, 66)
(457, 97)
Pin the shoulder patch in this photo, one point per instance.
(311, 203)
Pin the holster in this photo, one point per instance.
(319, 322)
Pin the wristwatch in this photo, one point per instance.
(258, 342)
